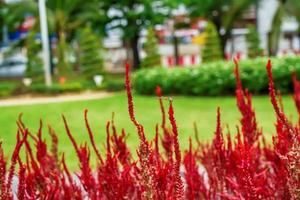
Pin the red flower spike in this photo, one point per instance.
(91, 136)
(14, 158)
(108, 149)
(130, 103)
(244, 103)
(70, 135)
(218, 142)
(144, 151)
(129, 95)
(179, 190)
(158, 91)
(2, 172)
(156, 142)
(22, 182)
(272, 94)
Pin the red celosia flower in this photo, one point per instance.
(244, 103)
(179, 190)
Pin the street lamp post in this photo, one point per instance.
(45, 42)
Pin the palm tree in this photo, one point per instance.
(64, 17)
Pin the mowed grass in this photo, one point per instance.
(201, 110)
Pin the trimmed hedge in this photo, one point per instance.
(115, 85)
(55, 88)
(217, 78)
(7, 88)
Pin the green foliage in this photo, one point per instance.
(55, 88)
(135, 15)
(7, 88)
(151, 48)
(90, 59)
(114, 85)
(138, 14)
(212, 47)
(34, 65)
(253, 42)
(217, 78)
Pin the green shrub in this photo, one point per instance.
(217, 78)
(55, 88)
(71, 87)
(152, 58)
(7, 88)
(115, 85)
(253, 42)
(90, 58)
(211, 50)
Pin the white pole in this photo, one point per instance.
(45, 42)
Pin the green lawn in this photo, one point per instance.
(202, 110)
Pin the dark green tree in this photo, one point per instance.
(90, 59)
(222, 13)
(211, 50)
(132, 16)
(253, 42)
(152, 58)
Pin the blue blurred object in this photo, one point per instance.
(17, 35)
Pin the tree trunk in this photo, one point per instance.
(51, 57)
(135, 52)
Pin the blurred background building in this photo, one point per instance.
(191, 36)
